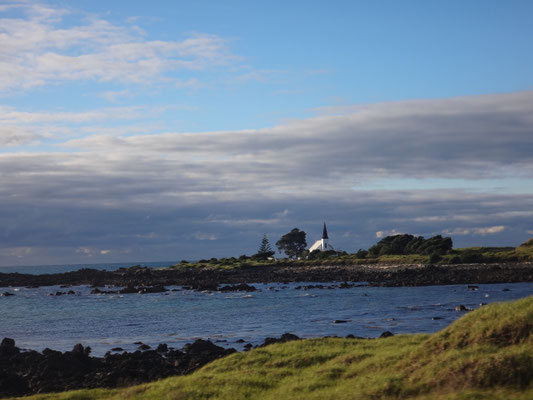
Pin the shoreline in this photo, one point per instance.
(210, 278)
(77, 369)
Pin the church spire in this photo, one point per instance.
(325, 232)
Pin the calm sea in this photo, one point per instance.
(37, 320)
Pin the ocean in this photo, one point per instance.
(57, 269)
(37, 320)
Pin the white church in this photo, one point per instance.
(322, 244)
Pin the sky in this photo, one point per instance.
(136, 131)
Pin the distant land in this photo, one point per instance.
(459, 266)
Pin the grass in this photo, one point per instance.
(487, 354)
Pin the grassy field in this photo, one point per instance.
(486, 354)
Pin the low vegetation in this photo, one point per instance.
(487, 354)
(391, 250)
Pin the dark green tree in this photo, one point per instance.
(265, 250)
(409, 244)
(292, 243)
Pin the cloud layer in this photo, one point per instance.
(191, 195)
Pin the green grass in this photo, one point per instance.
(487, 354)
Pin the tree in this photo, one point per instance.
(265, 250)
(292, 243)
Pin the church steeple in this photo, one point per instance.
(323, 243)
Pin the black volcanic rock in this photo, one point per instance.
(242, 287)
(27, 372)
(134, 279)
(286, 337)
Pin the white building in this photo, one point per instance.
(322, 244)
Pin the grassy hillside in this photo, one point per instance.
(487, 354)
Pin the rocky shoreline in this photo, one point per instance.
(29, 372)
(147, 280)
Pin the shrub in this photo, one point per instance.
(434, 258)
(409, 244)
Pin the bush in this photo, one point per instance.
(434, 258)
(361, 254)
(471, 257)
(321, 255)
(455, 260)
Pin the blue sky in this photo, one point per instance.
(133, 130)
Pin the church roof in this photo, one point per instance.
(325, 232)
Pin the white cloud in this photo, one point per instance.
(457, 231)
(205, 236)
(489, 230)
(84, 251)
(113, 95)
(9, 115)
(228, 220)
(475, 231)
(392, 232)
(37, 50)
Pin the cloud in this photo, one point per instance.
(205, 236)
(13, 135)
(475, 231)
(392, 232)
(113, 95)
(39, 49)
(16, 252)
(9, 115)
(84, 251)
(37, 128)
(305, 157)
(489, 230)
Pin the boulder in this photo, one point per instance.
(162, 348)
(242, 287)
(286, 337)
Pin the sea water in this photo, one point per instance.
(58, 269)
(37, 320)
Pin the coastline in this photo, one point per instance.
(208, 278)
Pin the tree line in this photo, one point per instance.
(294, 245)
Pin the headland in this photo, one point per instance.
(147, 279)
